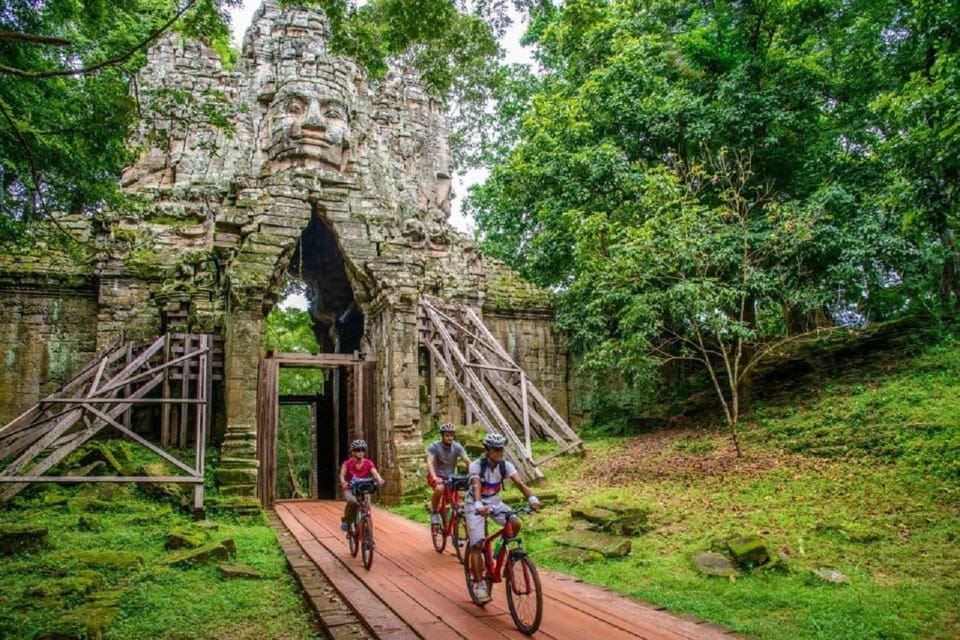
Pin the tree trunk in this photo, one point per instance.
(949, 282)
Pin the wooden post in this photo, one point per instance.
(165, 438)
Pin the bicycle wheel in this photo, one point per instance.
(352, 539)
(472, 584)
(366, 546)
(439, 532)
(523, 592)
(458, 536)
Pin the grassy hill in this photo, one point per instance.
(858, 472)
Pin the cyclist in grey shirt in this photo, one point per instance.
(442, 457)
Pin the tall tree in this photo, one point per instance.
(65, 110)
(920, 120)
(642, 92)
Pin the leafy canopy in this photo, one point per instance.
(698, 180)
(65, 103)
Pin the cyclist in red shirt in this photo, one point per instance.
(356, 466)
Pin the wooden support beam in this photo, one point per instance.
(97, 397)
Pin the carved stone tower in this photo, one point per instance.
(304, 167)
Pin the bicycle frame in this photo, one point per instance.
(361, 533)
(450, 503)
(509, 563)
(496, 561)
(452, 524)
(363, 507)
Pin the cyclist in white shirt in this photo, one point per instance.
(487, 475)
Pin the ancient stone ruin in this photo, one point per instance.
(305, 169)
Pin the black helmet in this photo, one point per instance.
(358, 445)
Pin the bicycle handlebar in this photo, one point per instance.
(524, 509)
(364, 485)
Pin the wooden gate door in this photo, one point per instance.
(357, 419)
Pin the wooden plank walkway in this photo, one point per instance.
(411, 591)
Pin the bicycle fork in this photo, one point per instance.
(519, 580)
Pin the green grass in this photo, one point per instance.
(157, 601)
(861, 474)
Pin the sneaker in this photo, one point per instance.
(434, 518)
(480, 593)
(344, 527)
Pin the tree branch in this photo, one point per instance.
(30, 37)
(35, 174)
(106, 63)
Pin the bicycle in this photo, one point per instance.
(510, 562)
(453, 523)
(360, 531)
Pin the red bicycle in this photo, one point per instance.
(509, 562)
(453, 523)
(360, 531)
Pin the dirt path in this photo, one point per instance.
(411, 591)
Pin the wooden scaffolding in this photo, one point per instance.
(175, 371)
(494, 389)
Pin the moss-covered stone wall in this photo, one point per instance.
(533, 344)
(46, 337)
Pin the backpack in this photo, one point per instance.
(502, 465)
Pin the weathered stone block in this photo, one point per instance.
(15, 538)
(220, 550)
(714, 564)
(607, 545)
(111, 559)
(749, 551)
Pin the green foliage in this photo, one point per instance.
(66, 111)
(920, 117)
(699, 178)
(294, 451)
(437, 38)
(290, 331)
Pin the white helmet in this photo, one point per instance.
(494, 441)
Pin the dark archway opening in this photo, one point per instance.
(318, 263)
(318, 271)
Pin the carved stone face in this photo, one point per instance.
(308, 122)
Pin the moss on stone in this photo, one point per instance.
(87, 621)
(507, 290)
(111, 559)
(83, 582)
(26, 536)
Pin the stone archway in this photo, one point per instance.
(327, 174)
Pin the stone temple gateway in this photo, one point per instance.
(307, 169)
